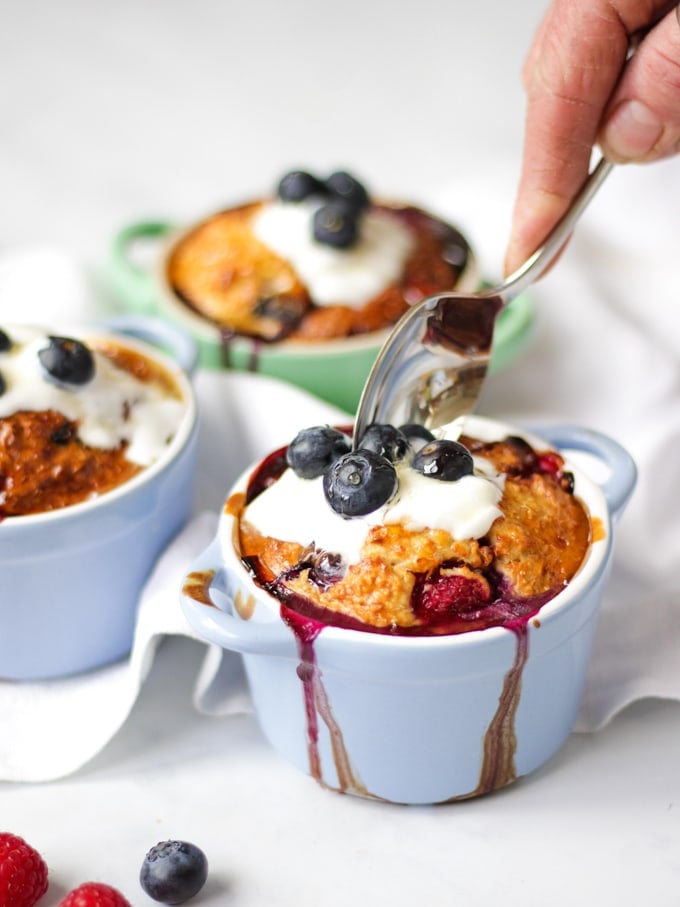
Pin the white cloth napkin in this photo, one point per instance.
(605, 353)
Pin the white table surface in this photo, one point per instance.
(116, 112)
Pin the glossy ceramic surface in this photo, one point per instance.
(418, 719)
(333, 370)
(70, 579)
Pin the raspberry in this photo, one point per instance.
(550, 462)
(94, 894)
(23, 872)
(451, 594)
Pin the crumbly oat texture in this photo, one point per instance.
(409, 580)
(44, 466)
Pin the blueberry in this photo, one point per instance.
(68, 361)
(335, 224)
(5, 342)
(444, 460)
(417, 434)
(344, 186)
(359, 483)
(325, 568)
(313, 450)
(63, 434)
(173, 871)
(385, 440)
(297, 185)
(284, 310)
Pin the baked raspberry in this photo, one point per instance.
(23, 872)
(550, 462)
(450, 593)
(94, 894)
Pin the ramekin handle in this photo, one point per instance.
(619, 484)
(204, 598)
(135, 283)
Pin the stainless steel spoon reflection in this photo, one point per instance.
(431, 368)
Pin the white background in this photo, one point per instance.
(113, 112)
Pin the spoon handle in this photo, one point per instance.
(537, 263)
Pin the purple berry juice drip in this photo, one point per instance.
(227, 340)
(316, 703)
(500, 740)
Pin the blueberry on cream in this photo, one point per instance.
(426, 535)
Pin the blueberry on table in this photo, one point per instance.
(444, 460)
(173, 871)
(297, 185)
(5, 342)
(359, 483)
(344, 186)
(385, 440)
(312, 450)
(67, 361)
(335, 224)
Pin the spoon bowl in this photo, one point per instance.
(432, 366)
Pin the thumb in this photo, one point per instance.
(642, 121)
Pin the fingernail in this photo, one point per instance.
(632, 130)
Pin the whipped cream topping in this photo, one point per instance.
(336, 276)
(111, 408)
(296, 510)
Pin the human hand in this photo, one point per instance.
(582, 90)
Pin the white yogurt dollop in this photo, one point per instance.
(296, 510)
(333, 276)
(111, 408)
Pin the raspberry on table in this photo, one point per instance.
(94, 894)
(23, 872)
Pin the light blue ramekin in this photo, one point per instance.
(70, 579)
(419, 719)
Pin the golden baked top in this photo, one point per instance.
(405, 573)
(318, 261)
(77, 419)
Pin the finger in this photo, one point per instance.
(571, 72)
(642, 122)
(570, 75)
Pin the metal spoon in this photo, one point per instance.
(431, 368)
